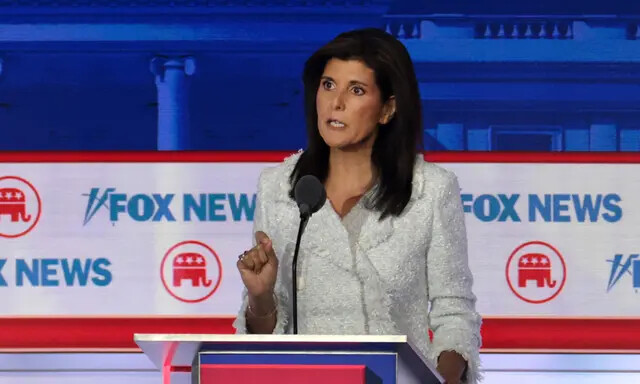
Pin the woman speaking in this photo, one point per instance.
(387, 253)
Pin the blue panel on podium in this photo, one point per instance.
(382, 365)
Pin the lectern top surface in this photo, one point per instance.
(213, 338)
(179, 349)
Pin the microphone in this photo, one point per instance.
(310, 196)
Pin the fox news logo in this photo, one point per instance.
(55, 272)
(624, 267)
(554, 208)
(157, 207)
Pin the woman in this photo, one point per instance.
(391, 238)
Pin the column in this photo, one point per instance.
(172, 84)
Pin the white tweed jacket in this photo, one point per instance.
(408, 274)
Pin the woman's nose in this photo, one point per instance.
(338, 102)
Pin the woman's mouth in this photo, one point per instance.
(336, 123)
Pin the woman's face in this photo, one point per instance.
(349, 105)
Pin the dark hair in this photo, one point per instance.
(397, 143)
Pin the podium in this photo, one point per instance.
(287, 359)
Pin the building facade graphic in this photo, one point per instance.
(225, 75)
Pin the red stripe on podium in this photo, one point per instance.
(586, 334)
(180, 369)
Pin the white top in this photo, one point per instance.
(384, 282)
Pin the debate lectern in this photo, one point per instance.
(287, 359)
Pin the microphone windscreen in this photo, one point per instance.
(309, 191)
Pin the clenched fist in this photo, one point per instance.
(259, 267)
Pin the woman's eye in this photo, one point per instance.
(327, 84)
(358, 91)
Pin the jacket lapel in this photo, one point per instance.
(324, 235)
(375, 232)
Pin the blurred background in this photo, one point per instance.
(494, 75)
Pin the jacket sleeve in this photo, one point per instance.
(452, 316)
(261, 223)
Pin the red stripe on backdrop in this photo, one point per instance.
(534, 157)
(97, 332)
(277, 156)
(143, 157)
(561, 334)
(589, 335)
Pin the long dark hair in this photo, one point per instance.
(397, 143)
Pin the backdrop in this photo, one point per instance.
(96, 247)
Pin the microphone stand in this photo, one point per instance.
(304, 218)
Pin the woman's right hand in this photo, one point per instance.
(259, 267)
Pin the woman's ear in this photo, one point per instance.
(388, 110)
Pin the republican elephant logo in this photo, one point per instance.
(13, 204)
(191, 271)
(536, 272)
(20, 207)
(190, 266)
(536, 267)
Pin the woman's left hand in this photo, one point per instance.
(451, 366)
